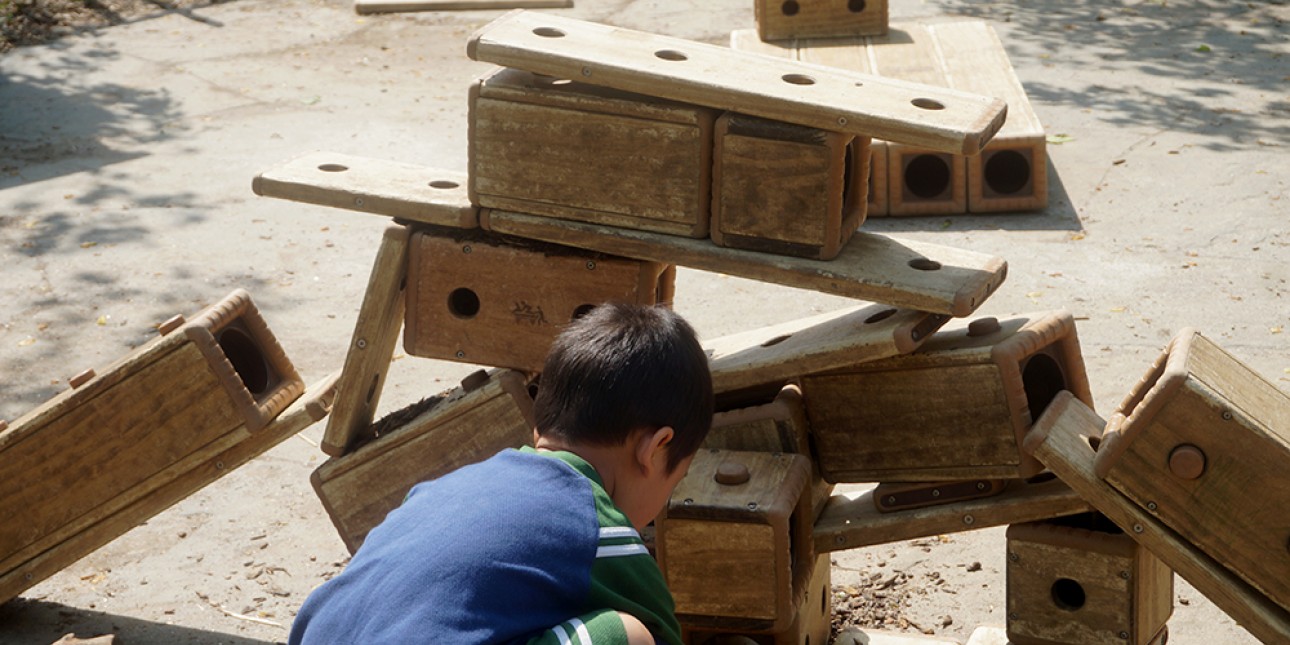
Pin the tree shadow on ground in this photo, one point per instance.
(38, 621)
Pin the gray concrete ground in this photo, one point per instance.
(126, 156)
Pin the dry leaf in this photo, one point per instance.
(102, 320)
(86, 245)
(30, 340)
(1117, 310)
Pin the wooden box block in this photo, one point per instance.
(1203, 443)
(575, 151)
(958, 408)
(787, 189)
(103, 450)
(1080, 580)
(783, 19)
(812, 625)
(484, 299)
(462, 426)
(734, 540)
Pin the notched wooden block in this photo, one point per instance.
(782, 19)
(958, 408)
(787, 189)
(424, 441)
(812, 624)
(480, 298)
(570, 150)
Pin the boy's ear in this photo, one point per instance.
(652, 447)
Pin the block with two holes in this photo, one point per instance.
(786, 19)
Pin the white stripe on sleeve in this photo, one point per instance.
(619, 550)
(562, 635)
(580, 628)
(611, 532)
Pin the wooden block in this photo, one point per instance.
(425, 441)
(401, 6)
(483, 299)
(738, 516)
(1063, 440)
(889, 497)
(958, 408)
(812, 624)
(782, 90)
(163, 490)
(401, 190)
(372, 345)
(143, 421)
(781, 19)
(851, 520)
(775, 354)
(1079, 580)
(902, 273)
(1203, 444)
(533, 140)
(787, 189)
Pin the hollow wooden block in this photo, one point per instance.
(1080, 580)
(462, 426)
(1203, 444)
(811, 625)
(787, 189)
(783, 19)
(958, 408)
(484, 299)
(576, 151)
(751, 533)
(71, 469)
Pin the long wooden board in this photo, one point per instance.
(1059, 440)
(903, 273)
(715, 76)
(401, 6)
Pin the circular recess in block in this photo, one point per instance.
(671, 54)
(790, 8)
(1187, 462)
(463, 303)
(246, 358)
(798, 79)
(333, 167)
(444, 184)
(1068, 594)
(927, 176)
(855, 6)
(732, 473)
(1007, 172)
(880, 316)
(983, 327)
(777, 340)
(582, 310)
(924, 264)
(548, 32)
(1042, 379)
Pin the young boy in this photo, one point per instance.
(538, 546)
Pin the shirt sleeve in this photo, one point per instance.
(601, 627)
(625, 577)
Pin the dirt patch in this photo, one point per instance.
(32, 22)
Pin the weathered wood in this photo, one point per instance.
(401, 190)
(1061, 440)
(172, 485)
(783, 90)
(1201, 402)
(371, 347)
(957, 408)
(851, 520)
(742, 516)
(403, 6)
(534, 138)
(899, 496)
(902, 273)
(483, 299)
(812, 624)
(782, 19)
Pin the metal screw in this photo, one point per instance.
(980, 485)
(969, 520)
(1151, 506)
(1012, 556)
(358, 201)
(1227, 416)
(1124, 574)
(586, 71)
(1137, 528)
(461, 354)
(936, 492)
(466, 249)
(362, 343)
(752, 506)
(840, 540)
(842, 120)
(1124, 635)
(27, 576)
(591, 265)
(1012, 615)
(219, 465)
(891, 499)
(687, 502)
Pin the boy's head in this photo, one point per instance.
(623, 368)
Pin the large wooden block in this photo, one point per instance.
(958, 408)
(1203, 443)
(78, 470)
(484, 299)
(400, 6)
(783, 19)
(462, 426)
(576, 151)
(787, 189)
(812, 624)
(745, 518)
(1080, 580)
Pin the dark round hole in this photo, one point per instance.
(881, 315)
(582, 310)
(927, 176)
(247, 360)
(1007, 172)
(1068, 594)
(1042, 379)
(855, 6)
(549, 32)
(928, 104)
(463, 303)
(790, 8)
(777, 340)
(798, 79)
(671, 54)
(333, 167)
(924, 264)
(443, 184)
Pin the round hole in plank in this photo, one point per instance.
(443, 184)
(1068, 594)
(855, 6)
(333, 167)
(880, 316)
(777, 340)
(928, 104)
(790, 8)
(671, 54)
(924, 264)
(463, 303)
(798, 79)
(548, 32)
(1007, 172)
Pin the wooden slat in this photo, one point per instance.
(1059, 440)
(871, 267)
(951, 121)
(406, 191)
(401, 6)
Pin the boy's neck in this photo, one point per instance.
(607, 461)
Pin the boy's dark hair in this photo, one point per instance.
(624, 367)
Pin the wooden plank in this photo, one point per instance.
(902, 273)
(783, 90)
(371, 347)
(1060, 440)
(401, 190)
(778, 20)
(851, 520)
(403, 6)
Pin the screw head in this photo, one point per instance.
(969, 520)
(362, 343)
(358, 201)
(1137, 528)
(1151, 506)
(1124, 574)
(1124, 635)
(591, 265)
(936, 492)
(1227, 416)
(461, 354)
(752, 506)
(219, 465)
(1012, 615)
(465, 249)
(1013, 557)
(841, 539)
(891, 499)
(980, 485)
(687, 501)
(586, 71)
(842, 120)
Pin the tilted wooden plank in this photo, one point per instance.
(772, 88)
(903, 273)
(400, 6)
